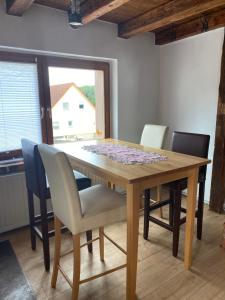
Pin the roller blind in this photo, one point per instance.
(19, 105)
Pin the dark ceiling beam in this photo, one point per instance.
(17, 7)
(170, 13)
(92, 10)
(201, 24)
(58, 4)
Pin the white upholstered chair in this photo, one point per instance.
(94, 207)
(153, 136)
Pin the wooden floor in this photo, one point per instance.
(160, 276)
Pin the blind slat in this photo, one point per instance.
(19, 105)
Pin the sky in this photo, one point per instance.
(65, 75)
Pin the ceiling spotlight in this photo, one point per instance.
(74, 15)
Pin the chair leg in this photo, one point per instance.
(89, 238)
(146, 213)
(171, 207)
(200, 210)
(158, 191)
(31, 217)
(45, 236)
(57, 251)
(101, 243)
(176, 222)
(76, 266)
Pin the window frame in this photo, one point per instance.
(73, 63)
(43, 62)
(24, 58)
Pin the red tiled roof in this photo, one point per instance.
(59, 90)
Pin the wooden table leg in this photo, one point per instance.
(190, 217)
(133, 204)
(158, 197)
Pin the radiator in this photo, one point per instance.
(13, 202)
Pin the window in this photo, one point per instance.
(70, 123)
(19, 104)
(66, 106)
(55, 125)
(26, 101)
(85, 85)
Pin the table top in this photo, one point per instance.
(129, 173)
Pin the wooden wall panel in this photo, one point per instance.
(217, 197)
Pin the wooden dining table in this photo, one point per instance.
(135, 179)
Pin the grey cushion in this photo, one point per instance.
(101, 206)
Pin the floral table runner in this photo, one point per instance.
(125, 155)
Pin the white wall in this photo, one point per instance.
(189, 83)
(135, 61)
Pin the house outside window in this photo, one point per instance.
(55, 125)
(70, 124)
(66, 106)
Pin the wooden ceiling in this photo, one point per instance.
(170, 20)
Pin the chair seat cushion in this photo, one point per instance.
(101, 206)
(83, 182)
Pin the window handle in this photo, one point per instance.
(49, 110)
(42, 113)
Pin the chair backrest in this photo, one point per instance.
(64, 194)
(153, 135)
(34, 168)
(192, 144)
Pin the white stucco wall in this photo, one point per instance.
(189, 83)
(135, 72)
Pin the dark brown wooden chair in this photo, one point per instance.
(190, 144)
(37, 185)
